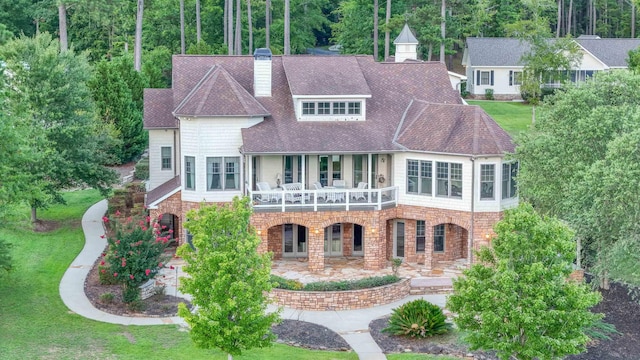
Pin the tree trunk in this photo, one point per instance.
(34, 213)
(375, 29)
(230, 28)
(238, 36)
(267, 23)
(62, 19)
(633, 19)
(224, 20)
(287, 28)
(386, 31)
(198, 25)
(250, 27)
(182, 45)
(559, 19)
(443, 29)
(430, 52)
(229, 357)
(569, 17)
(137, 51)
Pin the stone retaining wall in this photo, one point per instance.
(341, 300)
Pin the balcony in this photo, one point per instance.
(326, 199)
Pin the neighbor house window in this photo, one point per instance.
(354, 108)
(223, 173)
(449, 179)
(419, 177)
(438, 238)
(308, 108)
(515, 78)
(484, 77)
(509, 185)
(165, 154)
(339, 108)
(189, 172)
(487, 181)
(420, 235)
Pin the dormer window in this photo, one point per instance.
(331, 109)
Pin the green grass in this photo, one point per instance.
(512, 116)
(35, 324)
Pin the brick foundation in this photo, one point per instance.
(341, 300)
(377, 231)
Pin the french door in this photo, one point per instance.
(333, 240)
(294, 240)
(358, 240)
(398, 239)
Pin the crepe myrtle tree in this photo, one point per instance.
(136, 252)
(229, 280)
(518, 300)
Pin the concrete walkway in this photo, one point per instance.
(352, 325)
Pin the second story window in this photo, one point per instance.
(339, 108)
(509, 185)
(223, 173)
(449, 179)
(165, 153)
(189, 173)
(419, 177)
(324, 108)
(487, 181)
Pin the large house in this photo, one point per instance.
(495, 63)
(341, 155)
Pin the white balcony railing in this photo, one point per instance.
(325, 199)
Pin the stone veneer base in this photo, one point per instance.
(341, 300)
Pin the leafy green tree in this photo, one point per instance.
(119, 109)
(518, 300)
(579, 162)
(157, 67)
(229, 280)
(634, 60)
(48, 88)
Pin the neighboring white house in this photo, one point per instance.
(342, 155)
(494, 63)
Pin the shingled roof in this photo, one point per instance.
(158, 108)
(494, 52)
(392, 88)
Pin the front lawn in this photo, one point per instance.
(35, 324)
(512, 116)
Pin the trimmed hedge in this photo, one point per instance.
(344, 285)
(142, 169)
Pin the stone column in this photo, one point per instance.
(315, 250)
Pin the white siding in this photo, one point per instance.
(202, 138)
(270, 167)
(157, 140)
(500, 81)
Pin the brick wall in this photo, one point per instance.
(341, 300)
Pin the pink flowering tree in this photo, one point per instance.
(135, 253)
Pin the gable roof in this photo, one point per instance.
(392, 88)
(497, 52)
(219, 94)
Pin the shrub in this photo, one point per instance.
(142, 169)
(286, 284)
(105, 275)
(136, 252)
(488, 94)
(107, 298)
(418, 318)
(395, 265)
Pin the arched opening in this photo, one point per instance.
(449, 244)
(169, 225)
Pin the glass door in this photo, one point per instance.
(398, 239)
(333, 240)
(358, 240)
(294, 240)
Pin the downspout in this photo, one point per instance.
(175, 155)
(473, 204)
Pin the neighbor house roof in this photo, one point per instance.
(494, 52)
(392, 88)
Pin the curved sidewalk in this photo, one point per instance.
(352, 325)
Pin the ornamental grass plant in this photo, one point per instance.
(418, 318)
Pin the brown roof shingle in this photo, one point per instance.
(158, 108)
(325, 75)
(162, 190)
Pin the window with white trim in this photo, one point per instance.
(324, 108)
(487, 181)
(339, 108)
(223, 173)
(308, 108)
(449, 179)
(515, 78)
(509, 185)
(189, 172)
(354, 108)
(438, 238)
(419, 177)
(165, 154)
(421, 231)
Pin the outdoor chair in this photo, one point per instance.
(290, 194)
(319, 195)
(264, 186)
(360, 195)
(339, 183)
